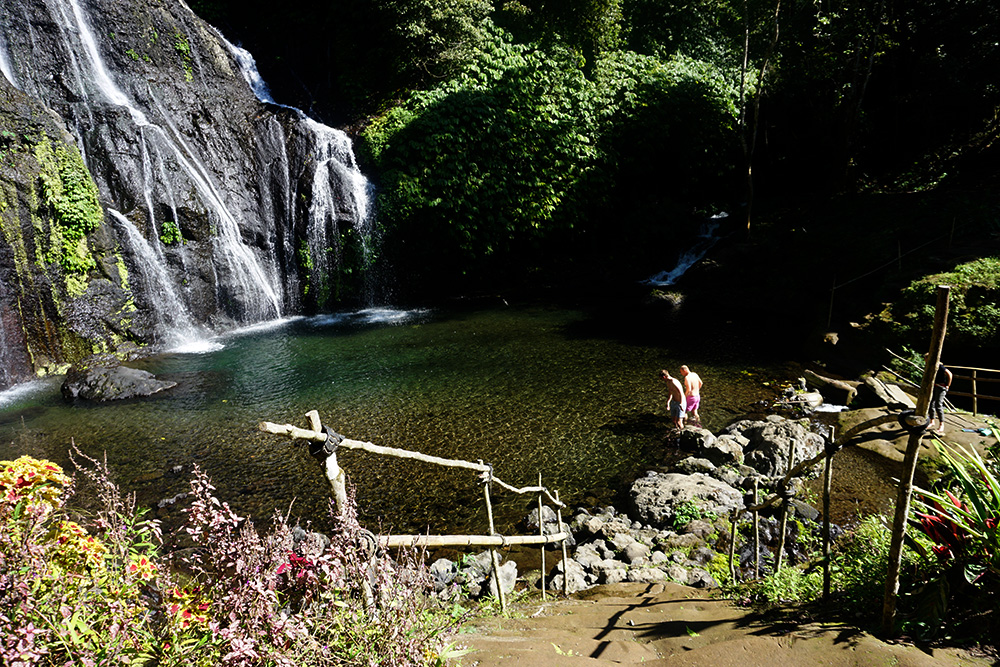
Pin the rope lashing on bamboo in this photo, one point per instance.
(297, 433)
(322, 450)
(911, 425)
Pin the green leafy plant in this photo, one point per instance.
(685, 513)
(171, 233)
(965, 527)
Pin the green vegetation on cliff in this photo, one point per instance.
(70, 192)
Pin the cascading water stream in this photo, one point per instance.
(6, 70)
(334, 164)
(256, 285)
(706, 239)
(168, 309)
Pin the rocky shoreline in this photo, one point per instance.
(677, 527)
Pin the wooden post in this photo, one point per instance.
(493, 554)
(827, 479)
(910, 461)
(733, 535)
(781, 536)
(975, 400)
(541, 531)
(784, 511)
(565, 553)
(756, 531)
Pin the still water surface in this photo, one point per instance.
(527, 390)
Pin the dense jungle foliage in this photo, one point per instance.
(588, 140)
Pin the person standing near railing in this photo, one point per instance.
(942, 382)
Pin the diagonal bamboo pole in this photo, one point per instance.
(910, 462)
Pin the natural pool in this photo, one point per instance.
(528, 389)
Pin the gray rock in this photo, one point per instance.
(701, 528)
(770, 442)
(693, 464)
(587, 556)
(805, 510)
(613, 576)
(678, 574)
(646, 575)
(700, 556)
(635, 552)
(698, 578)
(657, 498)
(548, 516)
(507, 576)
(575, 581)
(443, 573)
(104, 379)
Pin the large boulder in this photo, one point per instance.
(771, 440)
(657, 497)
(104, 379)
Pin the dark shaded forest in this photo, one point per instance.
(544, 142)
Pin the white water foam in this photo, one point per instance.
(369, 316)
(20, 392)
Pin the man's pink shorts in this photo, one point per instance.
(692, 403)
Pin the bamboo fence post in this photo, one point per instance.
(781, 536)
(488, 478)
(975, 401)
(565, 553)
(756, 531)
(734, 533)
(827, 483)
(910, 461)
(541, 532)
(784, 511)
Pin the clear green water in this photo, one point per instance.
(528, 390)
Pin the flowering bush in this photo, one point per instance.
(103, 594)
(965, 524)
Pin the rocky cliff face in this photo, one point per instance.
(147, 195)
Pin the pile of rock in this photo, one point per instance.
(677, 523)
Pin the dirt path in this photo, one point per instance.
(669, 624)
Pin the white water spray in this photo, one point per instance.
(169, 310)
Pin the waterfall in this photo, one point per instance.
(172, 316)
(229, 209)
(253, 282)
(6, 70)
(705, 240)
(334, 165)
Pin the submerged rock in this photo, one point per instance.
(104, 380)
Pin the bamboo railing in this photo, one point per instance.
(331, 441)
(991, 376)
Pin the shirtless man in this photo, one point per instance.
(676, 401)
(692, 392)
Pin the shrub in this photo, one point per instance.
(104, 594)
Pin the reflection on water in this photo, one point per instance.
(521, 389)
